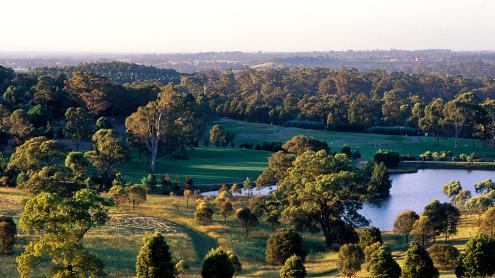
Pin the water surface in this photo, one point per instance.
(416, 190)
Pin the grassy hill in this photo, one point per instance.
(117, 243)
(367, 143)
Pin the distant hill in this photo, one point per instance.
(119, 72)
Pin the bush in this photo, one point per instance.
(389, 158)
(444, 256)
(154, 259)
(350, 259)
(368, 236)
(477, 259)
(394, 130)
(8, 232)
(293, 268)
(370, 249)
(217, 264)
(282, 244)
(382, 264)
(418, 263)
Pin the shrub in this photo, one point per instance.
(389, 158)
(154, 259)
(368, 236)
(418, 263)
(444, 256)
(350, 259)
(370, 249)
(477, 259)
(293, 268)
(383, 265)
(282, 244)
(8, 232)
(217, 264)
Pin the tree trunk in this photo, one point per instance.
(77, 145)
(325, 227)
(154, 152)
(247, 228)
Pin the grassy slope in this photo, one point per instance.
(118, 245)
(205, 165)
(366, 142)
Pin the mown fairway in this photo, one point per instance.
(205, 165)
(117, 243)
(367, 143)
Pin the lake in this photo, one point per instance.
(410, 191)
(416, 190)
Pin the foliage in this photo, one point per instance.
(78, 124)
(247, 218)
(382, 265)
(368, 236)
(34, 154)
(487, 226)
(417, 263)
(444, 218)
(217, 136)
(108, 149)
(477, 259)
(293, 268)
(60, 225)
(204, 212)
(389, 158)
(282, 244)
(300, 144)
(404, 223)
(136, 194)
(350, 259)
(444, 256)
(226, 208)
(380, 182)
(149, 182)
(423, 230)
(8, 232)
(155, 259)
(217, 264)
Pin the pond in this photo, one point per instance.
(416, 190)
(411, 191)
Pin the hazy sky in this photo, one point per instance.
(249, 25)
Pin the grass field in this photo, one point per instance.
(117, 243)
(367, 143)
(205, 165)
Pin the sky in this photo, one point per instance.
(163, 26)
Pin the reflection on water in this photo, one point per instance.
(415, 190)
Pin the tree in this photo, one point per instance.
(477, 259)
(380, 182)
(432, 120)
(418, 264)
(204, 212)
(383, 265)
(59, 225)
(368, 236)
(300, 143)
(461, 114)
(172, 121)
(247, 185)
(444, 256)
(108, 149)
(34, 154)
(293, 268)
(216, 135)
(78, 124)
(247, 218)
(350, 259)
(136, 194)
(317, 189)
(226, 208)
(20, 125)
(187, 195)
(404, 223)
(278, 164)
(180, 267)
(155, 259)
(149, 182)
(78, 164)
(118, 194)
(487, 226)
(103, 123)
(283, 244)
(217, 264)
(484, 186)
(236, 262)
(8, 232)
(347, 150)
(444, 218)
(423, 230)
(389, 158)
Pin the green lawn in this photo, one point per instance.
(367, 143)
(205, 165)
